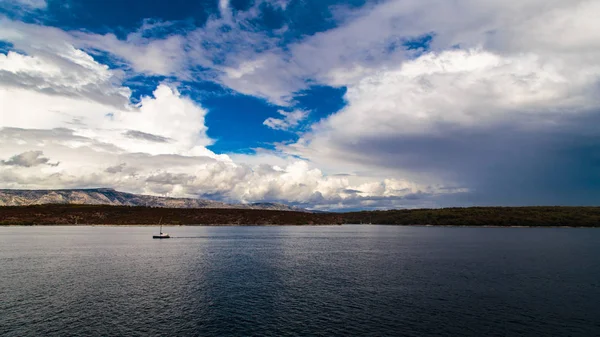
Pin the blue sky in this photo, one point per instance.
(321, 104)
(234, 129)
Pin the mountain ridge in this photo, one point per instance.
(112, 197)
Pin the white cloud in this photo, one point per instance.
(370, 41)
(289, 121)
(502, 84)
(463, 87)
(39, 4)
(31, 4)
(487, 118)
(66, 121)
(143, 55)
(68, 89)
(90, 164)
(167, 115)
(452, 90)
(26, 159)
(149, 56)
(225, 10)
(70, 73)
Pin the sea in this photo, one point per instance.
(350, 280)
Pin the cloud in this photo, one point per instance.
(166, 178)
(165, 56)
(38, 4)
(60, 103)
(145, 136)
(71, 73)
(463, 88)
(27, 159)
(68, 89)
(25, 4)
(225, 10)
(235, 52)
(138, 53)
(487, 123)
(88, 165)
(115, 169)
(229, 49)
(289, 121)
(374, 38)
(497, 107)
(186, 132)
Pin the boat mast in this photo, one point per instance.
(160, 223)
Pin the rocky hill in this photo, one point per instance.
(108, 196)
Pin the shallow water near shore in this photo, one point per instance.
(296, 281)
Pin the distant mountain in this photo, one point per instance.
(108, 196)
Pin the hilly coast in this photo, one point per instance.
(109, 196)
(64, 214)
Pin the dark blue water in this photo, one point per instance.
(296, 281)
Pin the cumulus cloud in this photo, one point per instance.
(367, 40)
(27, 159)
(137, 52)
(491, 123)
(88, 165)
(60, 103)
(289, 121)
(70, 73)
(71, 90)
(168, 122)
(375, 38)
(498, 106)
(463, 88)
(75, 109)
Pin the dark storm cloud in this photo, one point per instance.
(510, 164)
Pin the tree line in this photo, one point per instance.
(136, 215)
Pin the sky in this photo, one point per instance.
(322, 104)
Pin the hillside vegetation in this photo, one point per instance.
(483, 216)
(129, 215)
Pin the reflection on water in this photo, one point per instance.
(276, 281)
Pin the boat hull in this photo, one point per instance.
(161, 237)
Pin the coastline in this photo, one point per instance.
(483, 217)
(156, 225)
(286, 225)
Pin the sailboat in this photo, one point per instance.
(161, 235)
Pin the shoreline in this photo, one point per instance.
(285, 225)
(156, 225)
(93, 215)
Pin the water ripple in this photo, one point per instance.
(298, 281)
